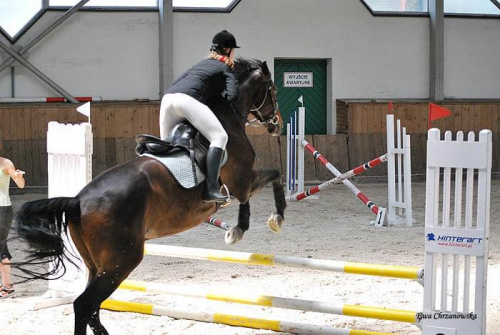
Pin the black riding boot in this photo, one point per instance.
(212, 192)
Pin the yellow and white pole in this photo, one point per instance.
(404, 272)
(232, 320)
(277, 302)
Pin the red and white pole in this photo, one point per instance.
(374, 208)
(337, 180)
(49, 99)
(218, 223)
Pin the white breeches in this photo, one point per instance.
(178, 106)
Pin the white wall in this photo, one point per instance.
(472, 59)
(115, 54)
(366, 52)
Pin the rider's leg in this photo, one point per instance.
(170, 113)
(212, 192)
(203, 119)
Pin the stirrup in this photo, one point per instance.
(218, 200)
(228, 199)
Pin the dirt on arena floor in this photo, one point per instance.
(333, 227)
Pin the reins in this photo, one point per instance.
(255, 122)
(263, 101)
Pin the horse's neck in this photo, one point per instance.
(234, 124)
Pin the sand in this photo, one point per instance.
(335, 226)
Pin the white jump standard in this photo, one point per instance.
(398, 159)
(69, 160)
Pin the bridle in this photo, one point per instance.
(259, 119)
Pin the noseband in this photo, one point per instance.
(274, 118)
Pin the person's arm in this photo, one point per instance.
(16, 174)
(231, 92)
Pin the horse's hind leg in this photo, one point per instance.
(102, 284)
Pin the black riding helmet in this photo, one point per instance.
(223, 39)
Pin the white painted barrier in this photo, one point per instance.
(69, 149)
(457, 233)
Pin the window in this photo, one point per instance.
(17, 15)
(397, 6)
(419, 7)
(14, 15)
(204, 5)
(476, 7)
(106, 3)
(197, 5)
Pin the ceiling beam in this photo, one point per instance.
(436, 57)
(166, 45)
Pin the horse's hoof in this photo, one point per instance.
(275, 222)
(233, 235)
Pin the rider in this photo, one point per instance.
(187, 97)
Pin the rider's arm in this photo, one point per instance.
(16, 175)
(231, 92)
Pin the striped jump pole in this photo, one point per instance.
(277, 302)
(379, 211)
(337, 180)
(394, 271)
(231, 319)
(218, 223)
(399, 208)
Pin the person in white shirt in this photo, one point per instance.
(7, 171)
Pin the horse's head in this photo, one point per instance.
(258, 94)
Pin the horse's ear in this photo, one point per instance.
(265, 69)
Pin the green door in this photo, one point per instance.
(307, 78)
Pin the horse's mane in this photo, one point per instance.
(244, 67)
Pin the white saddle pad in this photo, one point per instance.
(179, 164)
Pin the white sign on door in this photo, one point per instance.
(297, 79)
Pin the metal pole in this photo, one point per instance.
(37, 72)
(12, 82)
(37, 39)
(436, 58)
(166, 45)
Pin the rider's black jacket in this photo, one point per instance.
(206, 79)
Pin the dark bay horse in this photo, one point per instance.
(112, 217)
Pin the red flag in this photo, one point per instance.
(391, 106)
(437, 112)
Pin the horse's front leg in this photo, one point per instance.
(235, 234)
(275, 221)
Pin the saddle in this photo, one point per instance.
(183, 141)
(183, 137)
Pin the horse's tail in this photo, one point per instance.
(40, 224)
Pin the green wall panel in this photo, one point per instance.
(314, 97)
